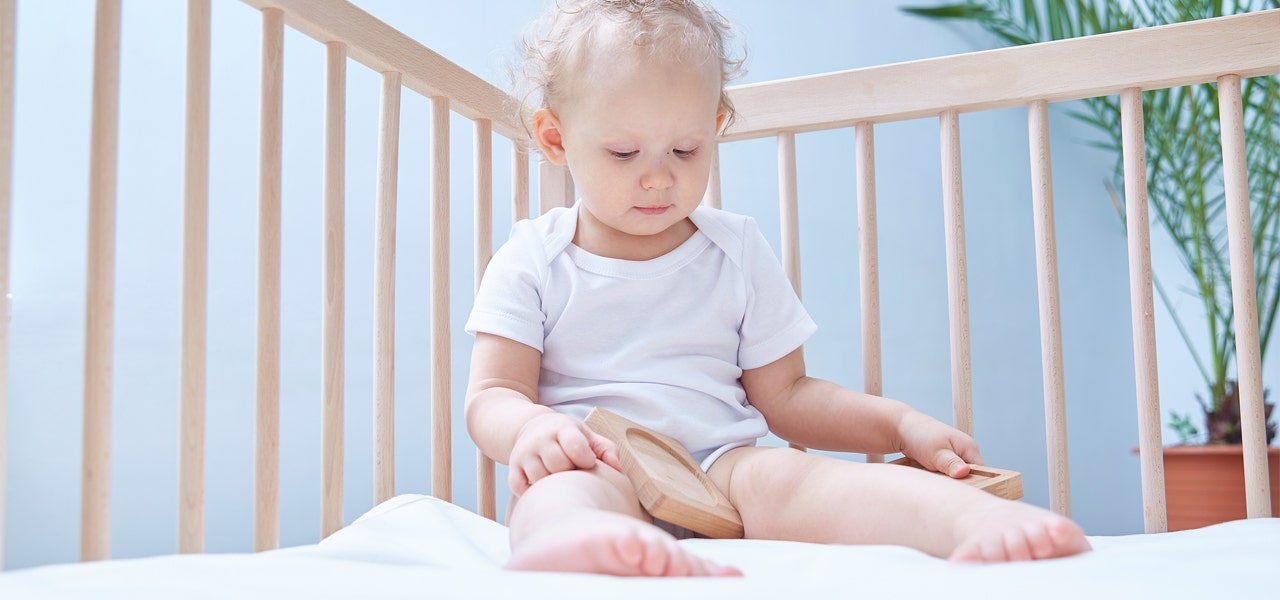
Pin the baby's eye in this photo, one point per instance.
(684, 153)
(622, 155)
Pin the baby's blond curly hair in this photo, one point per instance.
(551, 45)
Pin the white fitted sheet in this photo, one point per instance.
(419, 547)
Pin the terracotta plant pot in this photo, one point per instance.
(1204, 485)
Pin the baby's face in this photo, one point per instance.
(638, 134)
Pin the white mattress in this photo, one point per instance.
(419, 547)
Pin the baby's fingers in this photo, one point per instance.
(946, 461)
(556, 458)
(585, 449)
(576, 448)
(971, 455)
(519, 479)
(604, 449)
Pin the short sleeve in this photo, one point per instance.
(775, 323)
(509, 301)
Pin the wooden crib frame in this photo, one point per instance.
(1222, 50)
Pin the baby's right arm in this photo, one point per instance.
(509, 426)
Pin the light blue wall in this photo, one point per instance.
(54, 50)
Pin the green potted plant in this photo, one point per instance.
(1184, 164)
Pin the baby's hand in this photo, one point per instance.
(937, 446)
(552, 443)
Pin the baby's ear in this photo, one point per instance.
(546, 132)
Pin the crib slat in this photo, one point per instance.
(486, 503)
(789, 209)
(95, 510)
(384, 294)
(483, 197)
(555, 188)
(957, 275)
(712, 197)
(267, 439)
(1055, 411)
(1142, 311)
(869, 264)
(195, 276)
(332, 358)
(441, 422)
(8, 35)
(789, 213)
(519, 182)
(1244, 299)
(519, 212)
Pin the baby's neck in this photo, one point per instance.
(611, 243)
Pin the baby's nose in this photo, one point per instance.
(658, 176)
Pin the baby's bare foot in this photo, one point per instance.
(1015, 531)
(610, 544)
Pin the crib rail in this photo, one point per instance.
(1158, 57)
(385, 49)
(1221, 50)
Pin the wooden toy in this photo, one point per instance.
(672, 487)
(670, 484)
(1001, 482)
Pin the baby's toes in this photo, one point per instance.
(1039, 540)
(691, 565)
(679, 562)
(630, 551)
(989, 548)
(1017, 545)
(718, 570)
(966, 552)
(662, 559)
(996, 549)
(1067, 538)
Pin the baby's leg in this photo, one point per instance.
(589, 521)
(828, 500)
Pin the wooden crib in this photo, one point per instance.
(1222, 50)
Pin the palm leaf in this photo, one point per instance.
(1184, 168)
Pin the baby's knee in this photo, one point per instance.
(599, 476)
(601, 486)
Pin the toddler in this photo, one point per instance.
(679, 317)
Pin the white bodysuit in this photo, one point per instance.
(661, 342)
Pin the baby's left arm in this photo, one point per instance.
(820, 414)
